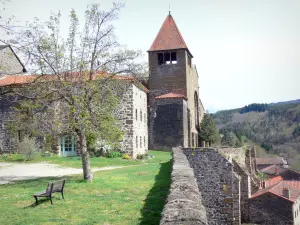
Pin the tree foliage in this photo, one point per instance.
(76, 91)
(208, 131)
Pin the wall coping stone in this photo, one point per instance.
(184, 204)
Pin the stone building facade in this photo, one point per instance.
(10, 63)
(132, 117)
(172, 76)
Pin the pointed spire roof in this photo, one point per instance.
(168, 37)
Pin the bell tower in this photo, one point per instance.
(173, 85)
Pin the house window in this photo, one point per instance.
(68, 145)
(136, 142)
(136, 114)
(166, 58)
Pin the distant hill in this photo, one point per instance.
(297, 101)
(275, 127)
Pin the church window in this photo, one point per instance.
(137, 142)
(173, 58)
(141, 115)
(166, 58)
(160, 58)
(144, 141)
(141, 144)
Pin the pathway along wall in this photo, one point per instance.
(184, 203)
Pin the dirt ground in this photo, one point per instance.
(10, 172)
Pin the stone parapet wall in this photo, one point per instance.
(218, 183)
(184, 203)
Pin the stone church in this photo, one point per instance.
(175, 109)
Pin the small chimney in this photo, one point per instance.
(286, 193)
(276, 170)
(263, 184)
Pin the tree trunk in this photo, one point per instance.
(87, 174)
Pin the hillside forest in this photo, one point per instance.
(273, 127)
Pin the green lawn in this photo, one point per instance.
(132, 195)
(95, 162)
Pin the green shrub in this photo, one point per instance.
(28, 148)
(140, 156)
(114, 154)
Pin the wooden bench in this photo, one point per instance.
(57, 186)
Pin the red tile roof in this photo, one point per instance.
(25, 79)
(273, 181)
(168, 37)
(171, 95)
(273, 169)
(276, 186)
(275, 160)
(16, 79)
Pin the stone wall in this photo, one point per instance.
(218, 183)
(9, 63)
(7, 141)
(168, 123)
(238, 154)
(245, 190)
(184, 203)
(270, 209)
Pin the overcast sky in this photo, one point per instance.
(246, 51)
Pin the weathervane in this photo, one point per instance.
(169, 9)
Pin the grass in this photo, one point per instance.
(75, 162)
(132, 195)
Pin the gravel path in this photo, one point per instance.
(10, 172)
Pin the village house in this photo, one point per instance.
(132, 116)
(277, 202)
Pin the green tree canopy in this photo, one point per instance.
(208, 131)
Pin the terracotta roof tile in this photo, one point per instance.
(16, 79)
(25, 79)
(276, 187)
(273, 181)
(168, 37)
(171, 95)
(273, 169)
(275, 160)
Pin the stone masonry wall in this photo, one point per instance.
(218, 183)
(184, 203)
(168, 124)
(9, 64)
(270, 209)
(7, 142)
